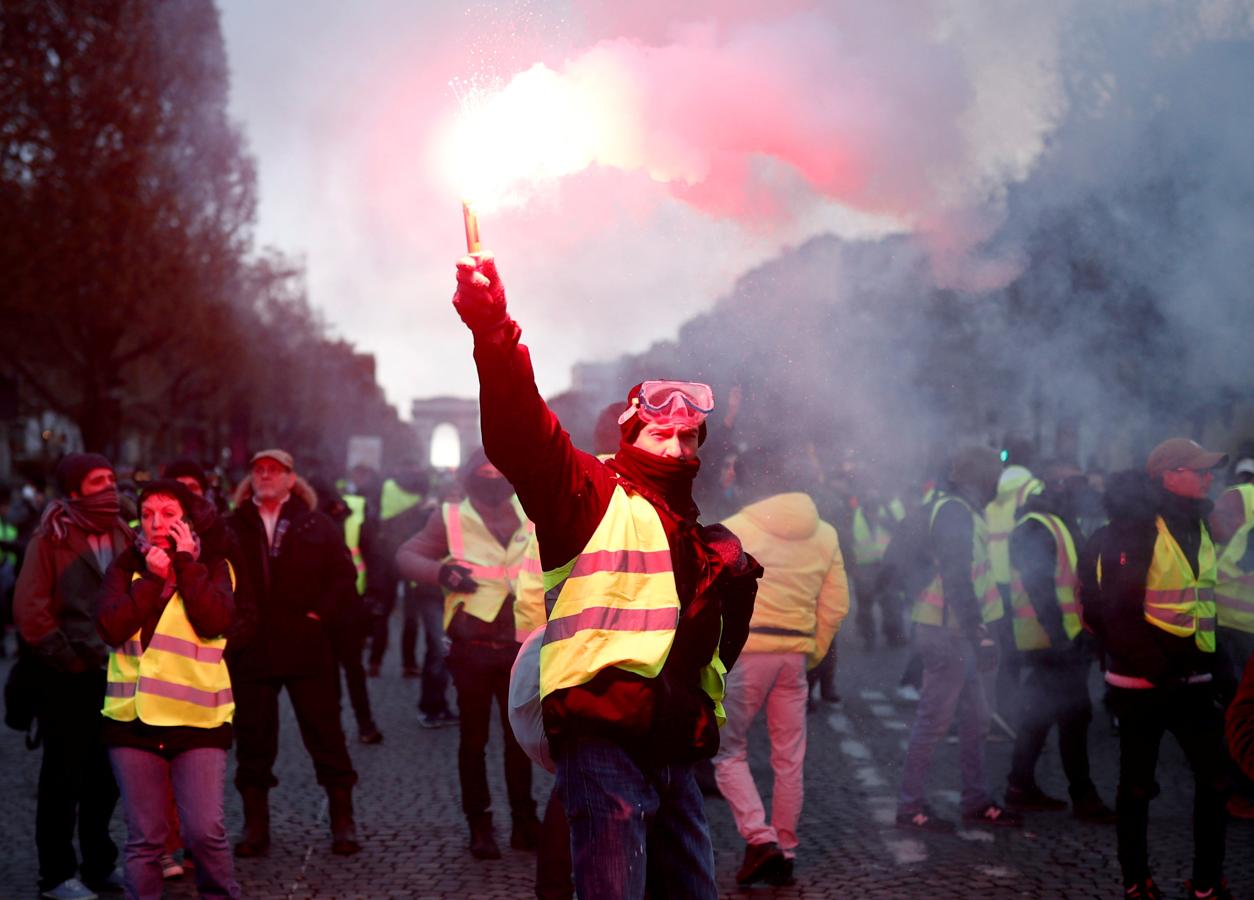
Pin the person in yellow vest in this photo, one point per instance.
(873, 521)
(1148, 592)
(475, 551)
(652, 609)
(952, 615)
(396, 511)
(1014, 487)
(164, 610)
(802, 599)
(1056, 651)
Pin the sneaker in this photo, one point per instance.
(1033, 799)
(782, 876)
(370, 735)
(437, 720)
(925, 820)
(994, 815)
(1142, 890)
(1222, 892)
(761, 861)
(170, 867)
(907, 693)
(70, 889)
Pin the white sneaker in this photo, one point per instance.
(908, 693)
(70, 889)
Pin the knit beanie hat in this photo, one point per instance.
(186, 468)
(74, 467)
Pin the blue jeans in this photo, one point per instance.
(950, 684)
(619, 807)
(198, 778)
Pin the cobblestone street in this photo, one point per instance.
(415, 839)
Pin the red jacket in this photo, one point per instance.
(566, 492)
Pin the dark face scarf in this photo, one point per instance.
(669, 480)
(95, 514)
(489, 492)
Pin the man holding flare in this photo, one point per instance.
(651, 608)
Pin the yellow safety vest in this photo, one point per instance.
(618, 606)
(1234, 589)
(8, 533)
(352, 536)
(179, 679)
(529, 608)
(394, 500)
(495, 568)
(1176, 600)
(929, 608)
(870, 539)
(1001, 515)
(1029, 634)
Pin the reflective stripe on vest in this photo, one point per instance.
(929, 608)
(178, 679)
(618, 605)
(1029, 634)
(1234, 587)
(495, 568)
(1001, 515)
(352, 536)
(529, 610)
(1176, 600)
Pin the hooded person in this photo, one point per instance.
(475, 551)
(802, 599)
(54, 608)
(1148, 581)
(952, 616)
(650, 608)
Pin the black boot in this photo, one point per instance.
(525, 835)
(482, 840)
(255, 841)
(343, 830)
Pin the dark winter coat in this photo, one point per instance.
(566, 492)
(302, 585)
(1034, 555)
(128, 605)
(1115, 610)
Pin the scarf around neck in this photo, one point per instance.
(94, 514)
(660, 478)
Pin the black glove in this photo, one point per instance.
(480, 295)
(457, 579)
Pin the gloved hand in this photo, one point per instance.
(457, 579)
(728, 547)
(480, 295)
(986, 655)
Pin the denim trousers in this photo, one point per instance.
(951, 685)
(778, 682)
(429, 608)
(198, 779)
(634, 826)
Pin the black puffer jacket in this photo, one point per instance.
(1115, 610)
(299, 583)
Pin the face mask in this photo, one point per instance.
(489, 491)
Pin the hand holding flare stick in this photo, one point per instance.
(480, 296)
(472, 227)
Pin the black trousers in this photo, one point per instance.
(75, 780)
(316, 700)
(349, 649)
(1192, 715)
(866, 579)
(481, 674)
(1054, 695)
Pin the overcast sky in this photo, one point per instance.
(343, 104)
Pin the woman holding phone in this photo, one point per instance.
(164, 609)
